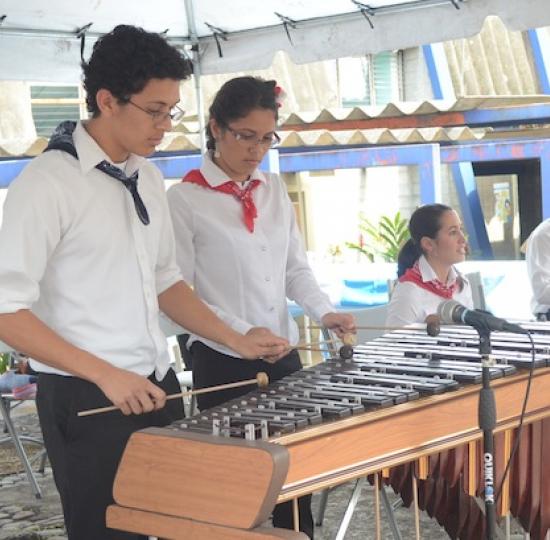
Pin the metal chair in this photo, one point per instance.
(478, 293)
(7, 403)
(185, 378)
(180, 358)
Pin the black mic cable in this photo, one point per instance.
(521, 418)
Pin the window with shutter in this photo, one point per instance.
(385, 73)
(374, 79)
(52, 104)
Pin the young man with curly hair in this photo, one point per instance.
(87, 262)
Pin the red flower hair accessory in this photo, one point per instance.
(279, 95)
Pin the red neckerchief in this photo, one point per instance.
(231, 188)
(435, 286)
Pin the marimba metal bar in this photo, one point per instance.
(326, 455)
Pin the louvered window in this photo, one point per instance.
(374, 79)
(54, 104)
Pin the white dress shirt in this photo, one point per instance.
(245, 277)
(538, 267)
(75, 253)
(410, 303)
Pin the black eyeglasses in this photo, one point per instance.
(158, 117)
(249, 139)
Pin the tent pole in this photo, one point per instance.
(190, 12)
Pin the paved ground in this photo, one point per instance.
(23, 517)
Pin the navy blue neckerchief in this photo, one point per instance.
(62, 139)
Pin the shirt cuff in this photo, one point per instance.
(241, 326)
(13, 307)
(321, 310)
(164, 282)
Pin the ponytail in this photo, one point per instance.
(408, 255)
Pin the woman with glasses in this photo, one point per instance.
(238, 243)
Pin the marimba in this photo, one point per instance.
(406, 403)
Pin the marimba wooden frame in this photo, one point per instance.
(330, 454)
(319, 457)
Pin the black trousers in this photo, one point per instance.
(185, 352)
(210, 368)
(85, 451)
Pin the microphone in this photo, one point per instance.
(451, 312)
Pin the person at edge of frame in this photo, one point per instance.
(88, 260)
(537, 257)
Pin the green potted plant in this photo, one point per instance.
(4, 362)
(383, 240)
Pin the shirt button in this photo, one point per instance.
(271, 308)
(264, 248)
(267, 278)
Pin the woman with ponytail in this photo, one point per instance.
(425, 266)
(238, 244)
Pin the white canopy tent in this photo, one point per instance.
(45, 41)
(40, 41)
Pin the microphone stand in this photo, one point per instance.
(487, 420)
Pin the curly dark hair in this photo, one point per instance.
(124, 60)
(236, 98)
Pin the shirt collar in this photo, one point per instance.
(90, 153)
(428, 273)
(216, 176)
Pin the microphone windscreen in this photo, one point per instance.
(445, 311)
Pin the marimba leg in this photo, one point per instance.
(295, 515)
(322, 507)
(377, 521)
(416, 509)
(391, 517)
(352, 503)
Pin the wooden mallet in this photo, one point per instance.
(433, 326)
(261, 380)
